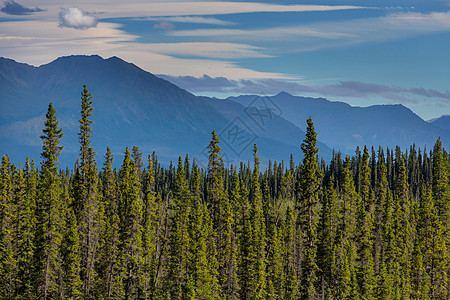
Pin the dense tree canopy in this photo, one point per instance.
(371, 226)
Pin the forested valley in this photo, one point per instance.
(375, 225)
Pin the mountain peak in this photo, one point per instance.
(71, 57)
(283, 94)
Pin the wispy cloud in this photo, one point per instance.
(13, 8)
(358, 89)
(206, 49)
(164, 26)
(349, 89)
(75, 17)
(336, 33)
(264, 33)
(191, 19)
(39, 42)
(202, 84)
(188, 11)
(200, 8)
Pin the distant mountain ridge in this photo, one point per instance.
(345, 127)
(131, 107)
(134, 107)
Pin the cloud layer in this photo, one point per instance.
(191, 19)
(74, 17)
(331, 34)
(13, 8)
(345, 89)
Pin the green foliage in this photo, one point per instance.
(71, 259)
(366, 227)
(87, 200)
(49, 214)
(310, 185)
(130, 227)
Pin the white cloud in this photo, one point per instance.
(39, 42)
(74, 17)
(121, 9)
(262, 34)
(164, 26)
(206, 49)
(336, 33)
(190, 8)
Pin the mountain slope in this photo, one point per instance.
(131, 107)
(344, 127)
(266, 123)
(441, 122)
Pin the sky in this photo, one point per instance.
(363, 52)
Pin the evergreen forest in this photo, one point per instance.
(375, 225)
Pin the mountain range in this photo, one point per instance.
(134, 107)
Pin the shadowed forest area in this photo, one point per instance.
(372, 226)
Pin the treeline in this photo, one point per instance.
(371, 226)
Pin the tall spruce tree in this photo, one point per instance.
(47, 260)
(215, 183)
(310, 183)
(258, 256)
(223, 219)
(86, 201)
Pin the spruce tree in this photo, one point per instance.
(26, 223)
(258, 258)
(432, 249)
(149, 231)
(441, 185)
(365, 264)
(402, 244)
(71, 259)
(246, 248)
(310, 182)
(109, 282)
(327, 234)
(179, 240)
(291, 288)
(345, 245)
(276, 273)
(7, 261)
(380, 217)
(215, 183)
(130, 228)
(203, 255)
(227, 256)
(86, 201)
(47, 258)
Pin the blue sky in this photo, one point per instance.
(359, 52)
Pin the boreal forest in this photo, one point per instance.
(375, 225)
